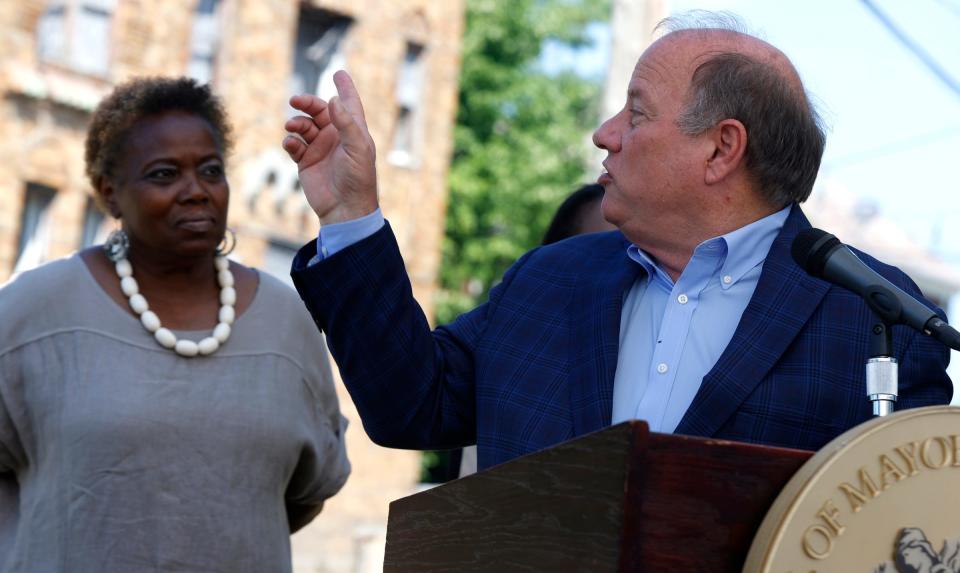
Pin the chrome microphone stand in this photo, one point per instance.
(881, 370)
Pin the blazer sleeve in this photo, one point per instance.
(921, 361)
(922, 374)
(412, 387)
(13, 456)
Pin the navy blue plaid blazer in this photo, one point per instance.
(535, 365)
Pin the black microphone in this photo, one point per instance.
(823, 256)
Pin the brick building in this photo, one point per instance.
(61, 56)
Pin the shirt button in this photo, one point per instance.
(727, 279)
(682, 299)
(662, 368)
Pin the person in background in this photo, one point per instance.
(693, 316)
(579, 214)
(162, 408)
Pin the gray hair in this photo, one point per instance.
(785, 137)
(702, 20)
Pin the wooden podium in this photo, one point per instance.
(620, 499)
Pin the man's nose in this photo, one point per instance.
(607, 136)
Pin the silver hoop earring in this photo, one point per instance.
(228, 243)
(117, 245)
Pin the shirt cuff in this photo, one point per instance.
(338, 236)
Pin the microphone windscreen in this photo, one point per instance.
(811, 248)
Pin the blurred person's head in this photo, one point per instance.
(155, 155)
(578, 214)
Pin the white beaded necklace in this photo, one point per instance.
(166, 338)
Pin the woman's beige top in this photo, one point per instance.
(118, 455)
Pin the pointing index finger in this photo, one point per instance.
(350, 97)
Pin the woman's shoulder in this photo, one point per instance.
(279, 305)
(32, 298)
(40, 283)
(279, 318)
(277, 291)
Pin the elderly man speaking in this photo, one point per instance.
(692, 316)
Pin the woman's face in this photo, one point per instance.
(169, 187)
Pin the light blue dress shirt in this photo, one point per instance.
(671, 334)
(338, 236)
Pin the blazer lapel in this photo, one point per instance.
(595, 338)
(784, 299)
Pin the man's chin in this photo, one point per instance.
(610, 212)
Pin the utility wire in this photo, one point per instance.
(915, 48)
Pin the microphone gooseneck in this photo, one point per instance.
(823, 256)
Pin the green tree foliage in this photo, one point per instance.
(520, 139)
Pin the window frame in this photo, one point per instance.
(71, 51)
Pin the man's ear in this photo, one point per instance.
(730, 146)
(107, 191)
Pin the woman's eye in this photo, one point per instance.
(212, 170)
(162, 174)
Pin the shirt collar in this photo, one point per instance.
(654, 272)
(741, 249)
(748, 246)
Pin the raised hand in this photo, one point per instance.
(334, 153)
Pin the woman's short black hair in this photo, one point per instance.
(144, 97)
(566, 221)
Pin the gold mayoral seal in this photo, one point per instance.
(884, 497)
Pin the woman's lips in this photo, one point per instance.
(197, 225)
(604, 178)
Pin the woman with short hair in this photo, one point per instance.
(162, 408)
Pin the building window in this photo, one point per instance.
(407, 130)
(32, 249)
(318, 52)
(204, 41)
(76, 34)
(94, 231)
